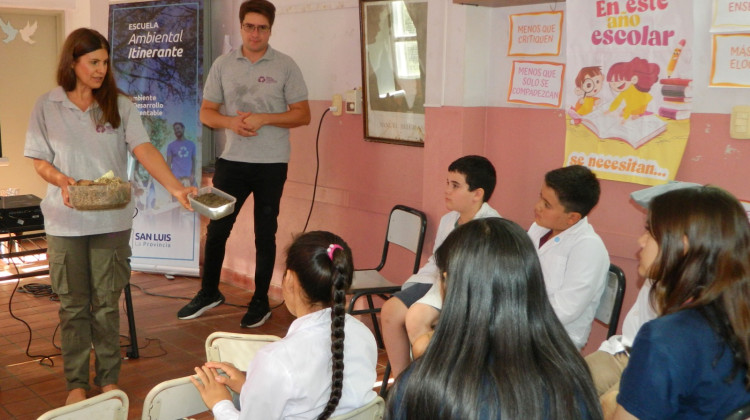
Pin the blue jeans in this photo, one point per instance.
(265, 181)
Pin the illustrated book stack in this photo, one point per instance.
(678, 98)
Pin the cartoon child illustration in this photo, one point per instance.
(588, 84)
(632, 81)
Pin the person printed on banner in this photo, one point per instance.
(181, 156)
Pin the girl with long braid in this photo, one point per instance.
(324, 366)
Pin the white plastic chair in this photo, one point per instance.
(237, 349)
(173, 399)
(178, 398)
(109, 405)
(374, 410)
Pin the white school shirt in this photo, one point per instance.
(639, 314)
(291, 378)
(575, 265)
(429, 272)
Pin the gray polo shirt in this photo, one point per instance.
(60, 133)
(266, 86)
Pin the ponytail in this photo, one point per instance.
(338, 317)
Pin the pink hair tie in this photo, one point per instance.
(331, 248)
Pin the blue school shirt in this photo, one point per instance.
(677, 370)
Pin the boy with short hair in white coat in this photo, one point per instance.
(574, 259)
(412, 311)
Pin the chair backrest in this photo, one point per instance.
(178, 398)
(172, 399)
(742, 413)
(406, 228)
(237, 349)
(109, 405)
(610, 305)
(374, 410)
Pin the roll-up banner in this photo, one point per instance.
(156, 58)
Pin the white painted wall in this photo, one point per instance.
(500, 65)
(77, 13)
(467, 46)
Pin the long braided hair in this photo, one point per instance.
(323, 264)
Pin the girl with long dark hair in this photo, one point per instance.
(326, 363)
(692, 361)
(498, 350)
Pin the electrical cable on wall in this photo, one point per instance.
(309, 214)
(317, 169)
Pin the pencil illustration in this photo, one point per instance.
(675, 56)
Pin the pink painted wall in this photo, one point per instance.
(525, 143)
(359, 181)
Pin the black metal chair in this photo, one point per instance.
(406, 228)
(610, 306)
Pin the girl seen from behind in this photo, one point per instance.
(692, 361)
(498, 350)
(324, 366)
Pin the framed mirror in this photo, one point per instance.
(394, 47)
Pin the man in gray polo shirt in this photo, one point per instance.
(264, 95)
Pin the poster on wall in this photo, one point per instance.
(394, 69)
(730, 61)
(536, 83)
(535, 33)
(629, 88)
(730, 16)
(157, 59)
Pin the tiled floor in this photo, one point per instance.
(168, 347)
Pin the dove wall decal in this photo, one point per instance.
(9, 30)
(28, 31)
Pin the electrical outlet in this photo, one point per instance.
(354, 101)
(739, 125)
(337, 106)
